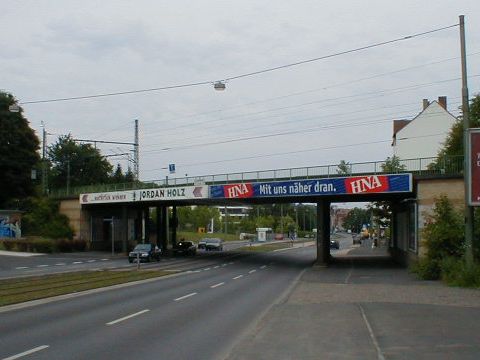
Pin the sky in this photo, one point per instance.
(312, 114)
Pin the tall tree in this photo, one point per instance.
(18, 153)
(79, 164)
(344, 168)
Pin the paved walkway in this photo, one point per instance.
(367, 308)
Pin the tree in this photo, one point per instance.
(18, 153)
(344, 168)
(356, 218)
(80, 164)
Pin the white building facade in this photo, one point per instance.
(425, 135)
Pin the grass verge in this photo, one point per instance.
(14, 291)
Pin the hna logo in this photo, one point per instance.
(238, 191)
(367, 184)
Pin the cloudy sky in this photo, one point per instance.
(316, 113)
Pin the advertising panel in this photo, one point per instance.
(332, 186)
(474, 162)
(170, 193)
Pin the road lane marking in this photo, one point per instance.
(216, 267)
(104, 259)
(60, 264)
(252, 271)
(237, 277)
(206, 269)
(224, 264)
(25, 353)
(90, 261)
(186, 296)
(217, 285)
(372, 335)
(263, 266)
(42, 266)
(127, 317)
(21, 267)
(230, 263)
(77, 262)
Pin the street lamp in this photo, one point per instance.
(219, 85)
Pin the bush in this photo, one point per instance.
(43, 245)
(427, 269)
(64, 245)
(8, 244)
(79, 245)
(455, 272)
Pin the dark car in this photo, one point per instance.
(202, 243)
(185, 248)
(145, 252)
(214, 244)
(334, 244)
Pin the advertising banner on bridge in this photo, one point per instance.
(370, 184)
(474, 161)
(170, 193)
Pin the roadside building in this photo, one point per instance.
(425, 134)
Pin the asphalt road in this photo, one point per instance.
(15, 265)
(199, 314)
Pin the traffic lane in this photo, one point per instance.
(27, 328)
(188, 326)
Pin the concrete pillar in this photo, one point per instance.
(146, 216)
(124, 228)
(162, 227)
(174, 224)
(323, 232)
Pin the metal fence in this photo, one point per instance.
(446, 166)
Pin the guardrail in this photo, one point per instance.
(447, 166)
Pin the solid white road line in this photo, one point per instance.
(252, 271)
(25, 353)
(21, 267)
(127, 317)
(237, 277)
(217, 285)
(372, 335)
(186, 296)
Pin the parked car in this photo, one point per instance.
(334, 244)
(201, 244)
(214, 244)
(145, 252)
(184, 248)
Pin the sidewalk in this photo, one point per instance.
(367, 308)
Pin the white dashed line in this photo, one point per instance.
(216, 267)
(252, 271)
(206, 269)
(25, 353)
(104, 259)
(60, 264)
(21, 267)
(263, 266)
(217, 285)
(230, 263)
(224, 265)
(237, 277)
(90, 261)
(186, 296)
(77, 262)
(127, 317)
(41, 266)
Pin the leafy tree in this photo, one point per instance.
(344, 168)
(81, 164)
(199, 216)
(356, 218)
(393, 165)
(18, 153)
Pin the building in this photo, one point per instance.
(424, 135)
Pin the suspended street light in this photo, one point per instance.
(219, 86)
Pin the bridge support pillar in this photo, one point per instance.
(145, 225)
(162, 227)
(174, 224)
(323, 232)
(124, 228)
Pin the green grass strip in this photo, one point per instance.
(66, 283)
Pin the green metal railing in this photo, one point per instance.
(447, 166)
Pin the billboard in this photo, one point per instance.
(169, 193)
(351, 185)
(474, 164)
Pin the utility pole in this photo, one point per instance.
(136, 155)
(466, 169)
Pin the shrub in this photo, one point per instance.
(427, 269)
(43, 245)
(79, 245)
(64, 245)
(456, 272)
(8, 245)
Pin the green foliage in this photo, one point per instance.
(344, 168)
(199, 216)
(80, 164)
(456, 272)
(18, 153)
(356, 218)
(43, 219)
(393, 165)
(427, 269)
